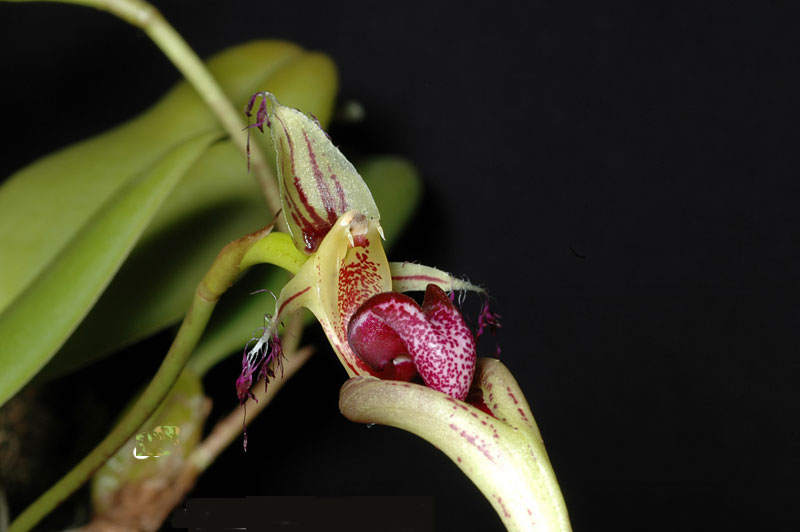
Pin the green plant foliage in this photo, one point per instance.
(216, 202)
(46, 203)
(38, 322)
(53, 212)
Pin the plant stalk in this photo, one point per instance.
(223, 272)
(192, 327)
(146, 17)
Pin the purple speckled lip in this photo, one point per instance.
(398, 338)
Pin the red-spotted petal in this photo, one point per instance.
(349, 267)
(435, 336)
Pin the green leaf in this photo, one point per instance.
(218, 200)
(46, 203)
(204, 213)
(38, 322)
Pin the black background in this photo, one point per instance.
(622, 178)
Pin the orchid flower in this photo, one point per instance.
(347, 281)
(384, 339)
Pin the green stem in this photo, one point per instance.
(192, 327)
(223, 272)
(145, 16)
(277, 249)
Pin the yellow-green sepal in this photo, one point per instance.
(317, 183)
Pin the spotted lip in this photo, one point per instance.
(391, 327)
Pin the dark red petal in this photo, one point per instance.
(439, 342)
(379, 345)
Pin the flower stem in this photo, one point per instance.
(145, 16)
(220, 276)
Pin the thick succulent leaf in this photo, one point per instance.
(206, 212)
(218, 199)
(45, 204)
(506, 461)
(318, 184)
(38, 322)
